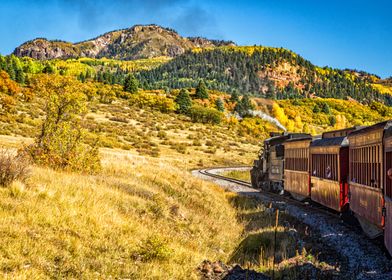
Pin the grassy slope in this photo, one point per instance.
(140, 218)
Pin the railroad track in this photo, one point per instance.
(207, 172)
(346, 238)
(308, 205)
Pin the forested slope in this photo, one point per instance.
(270, 72)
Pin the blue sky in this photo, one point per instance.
(341, 34)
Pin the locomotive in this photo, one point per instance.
(348, 171)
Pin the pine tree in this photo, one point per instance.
(325, 108)
(332, 120)
(183, 101)
(82, 77)
(234, 96)
(244, 106)
(201, 91)
(48, 69)
(131, 84)
(220, 105)
(19, 76)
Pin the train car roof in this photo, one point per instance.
(340, 132)
(284, 137)
(335, 141)
(382, 125)
(305, 137)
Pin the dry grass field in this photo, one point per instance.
(141, 217)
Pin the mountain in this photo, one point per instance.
(139, 41)
(274, 73)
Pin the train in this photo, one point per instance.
(348, 171)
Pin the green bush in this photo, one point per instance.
(153, 248)
(205, 115)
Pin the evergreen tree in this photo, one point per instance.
(201, 90)
(325, 108)
(82, 77)
(183, 101)
(48, 69)
(244, 106)
(131, 84)
(234, 96)
(19, 76)
(316, 109)
(220, 105)
(332, 120)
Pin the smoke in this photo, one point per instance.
(267, 118)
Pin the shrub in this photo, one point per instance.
(196, 142)
(205, 115)
(162, 134)
(209, 143)
(118, 119)
(60, 143)
(13, 166)
(152, 100)
(153, 248)
(179, 147)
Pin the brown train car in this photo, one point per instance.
(296, 167)
(388, 188)
(329, 169)
(367, 177)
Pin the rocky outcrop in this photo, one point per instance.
(139, 41)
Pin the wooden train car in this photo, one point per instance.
(388, 188)
(296, 169)
(329, 157)
(366, 179)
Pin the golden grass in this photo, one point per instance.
(140, 218)
(256, 248)
(243, 175)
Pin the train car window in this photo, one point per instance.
(297, 159)
(325, 166)
(279, 150)
(365, 166)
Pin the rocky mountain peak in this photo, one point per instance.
(138, 41)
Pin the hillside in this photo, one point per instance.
(128, 221)
(139, 41)
(268, 72)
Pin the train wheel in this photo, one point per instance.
(298, 196)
